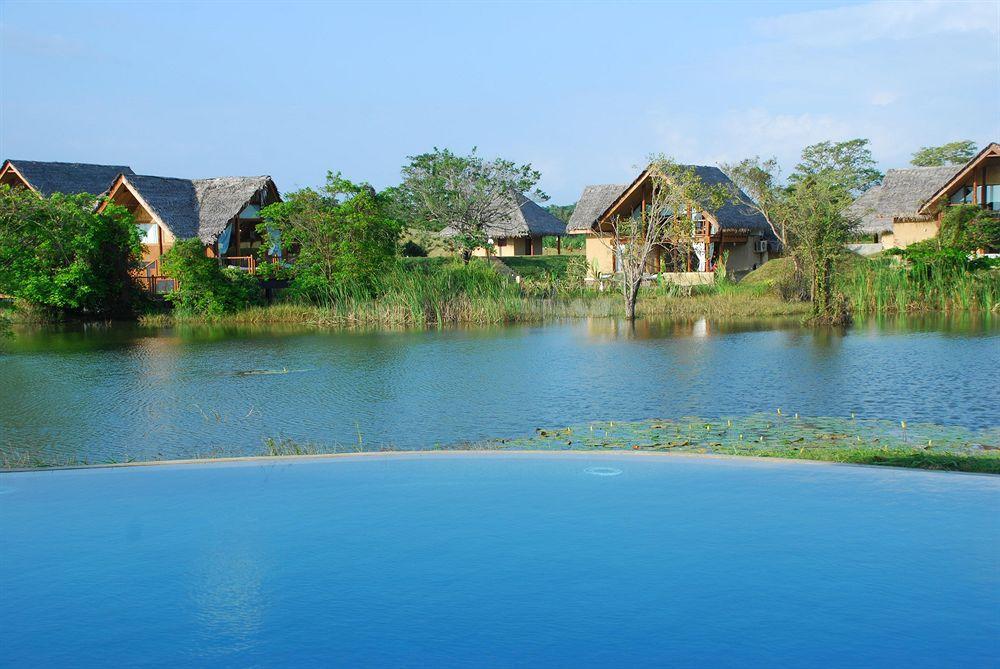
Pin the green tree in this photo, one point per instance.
(344, 237)
(757, 188)
(58, 254)
(846, 166)
(465, 194)
(204, 288)
(952, 153)
(812, 211)
(807, 214)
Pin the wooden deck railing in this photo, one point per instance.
(246, 263)
(151, 278)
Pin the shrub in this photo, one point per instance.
(204, 288)
(344, 236)
(968, 228)
(57, 254)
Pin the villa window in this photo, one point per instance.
(962, 196)
(991, 197)
(149, 232)
(251, 211)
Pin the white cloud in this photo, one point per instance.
(884, 20)
(742, 133)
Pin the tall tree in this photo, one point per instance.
(952, 153)
(58, 254)
(675, 195)
(848, 165)
(343, 236)
(812, 210)
(757, 188)
(467, 194)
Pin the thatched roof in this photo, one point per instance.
(222, 198)
(524, 219)
(734, 214)
(596, 201)
(900, 196)
(592, 203)
(69, 178)
(197, 207)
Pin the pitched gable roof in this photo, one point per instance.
(900, 195)
(47, 178)
(524, 218)
(222, 198)
(992, 150)
(732, 215)
(197, 207)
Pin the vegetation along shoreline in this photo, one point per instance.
(463, 239)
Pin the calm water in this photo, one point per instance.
(118, 392)
(500, 560)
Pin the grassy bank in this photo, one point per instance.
(825, 439)
(400, 310)
(435, 291)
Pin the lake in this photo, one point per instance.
(118, 392)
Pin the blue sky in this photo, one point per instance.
(583, 91)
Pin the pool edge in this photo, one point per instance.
(188, 462)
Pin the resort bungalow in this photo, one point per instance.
(907, 206)
(46, 178)
(222, 212)
(520, 231)
(733, 229)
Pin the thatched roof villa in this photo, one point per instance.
(46, 178)
(907, 206)
(222, 212)
(734, 228)
(520, 230)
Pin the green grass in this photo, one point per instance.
(985, 463)
(531, 267)
(772, 274)
(884, 284)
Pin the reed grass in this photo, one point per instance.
(888, 285)
(443, 293)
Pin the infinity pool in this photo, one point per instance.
(500, 559)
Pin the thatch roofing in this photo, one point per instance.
(900, 196)
(524, 218)
(597, 201)
(593, 202)
(733, 214)
(197, 207)
(68, 178)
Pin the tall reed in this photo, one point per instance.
(889, 285)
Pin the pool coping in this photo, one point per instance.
(250, 459)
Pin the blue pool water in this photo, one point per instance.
(500, 559)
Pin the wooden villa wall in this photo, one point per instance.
(516, 246)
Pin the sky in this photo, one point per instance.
(583, 91)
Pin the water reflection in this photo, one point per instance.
(123, 391)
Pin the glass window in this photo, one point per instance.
(250, 211)
(962, 196)
(149, 232)
(991, 199)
